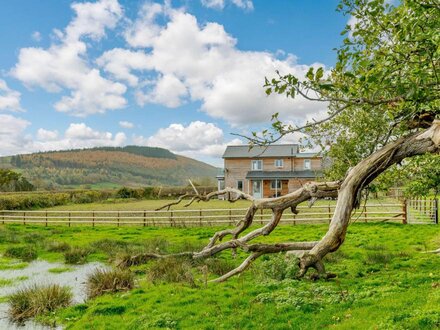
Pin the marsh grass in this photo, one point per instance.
(24, 252)
(38, 300)
(56, 246)
(76, 255)
(103, 281)
(172, 270)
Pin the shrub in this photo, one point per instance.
(24, 252)
(76, 256)
(173, 270)
(38, 300)
(55, 246)
(104, 281)
(219, 266)
(279, 267)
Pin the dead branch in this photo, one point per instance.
(348, 192)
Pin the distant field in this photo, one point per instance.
(133, 205)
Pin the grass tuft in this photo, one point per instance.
(105, 281)
(76, 256)
(172, 270)
(55, 246)
(24, 252)
(38, 300)
(378, 257)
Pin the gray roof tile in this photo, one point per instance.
(282, 174)
(274, 150)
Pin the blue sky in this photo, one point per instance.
(177, 74)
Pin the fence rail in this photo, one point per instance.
(197, 217)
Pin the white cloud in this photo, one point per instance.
(93, 18)
(202, 63)
(168, 90)
(126, 124)
(47, 135)
(63, 66)
(120, 62)
(76, 136)
(144, 29)
(195, 140)
(9, 99)
(36, 36)
(220, 4)
(12, 138)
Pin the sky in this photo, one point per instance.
(182, 75)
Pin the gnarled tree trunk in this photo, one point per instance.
(348, 192)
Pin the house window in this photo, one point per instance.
(275, 184)
(307, 164)
(257, 165)
(279, 163)
(240, 185)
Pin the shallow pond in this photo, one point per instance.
(38, 272)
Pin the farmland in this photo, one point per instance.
(384, 280)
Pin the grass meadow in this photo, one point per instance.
(384, 280)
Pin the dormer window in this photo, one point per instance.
(257, 165)
(307, 164)
(279, 163)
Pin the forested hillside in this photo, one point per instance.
(109, 167)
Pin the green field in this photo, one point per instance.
(384, 281)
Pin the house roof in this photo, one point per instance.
(274, 150)
(282, 174)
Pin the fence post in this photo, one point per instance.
(405, 212)
(24, 218)
(436, 211)
(329, 214)
(93, 219)
(261, 216)
(118, 218)
(171, 219)
(46, 218)
(365, 213)
(200, 217)
(145, 217)
(69, 219)
(230, 217)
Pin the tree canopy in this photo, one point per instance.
(385, 84)
(13, 181)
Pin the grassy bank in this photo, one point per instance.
(385, 281)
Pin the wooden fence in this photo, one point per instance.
(198, 217)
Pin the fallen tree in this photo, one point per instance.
(383, 98)
(347, 190)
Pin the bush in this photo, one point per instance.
(25, 252)
(219, 266)
(55, 246)
(76, 256)
(105, 281)
(38, 300)
(172, 270)
(279, 267)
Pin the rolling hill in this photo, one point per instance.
(109, 167)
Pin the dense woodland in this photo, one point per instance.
(131, 165)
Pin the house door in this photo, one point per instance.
(257, 189)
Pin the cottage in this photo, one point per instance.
(268, 171)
